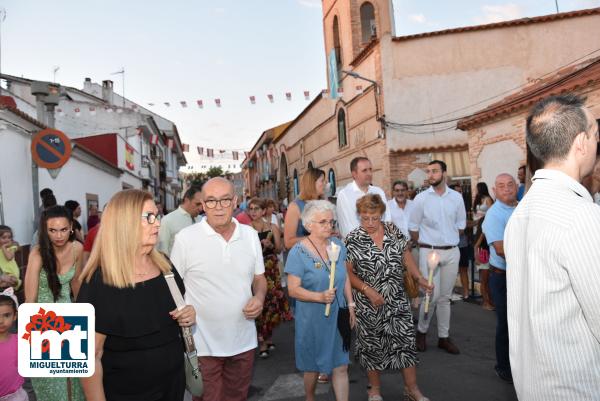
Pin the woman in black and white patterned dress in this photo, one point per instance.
(385, 336)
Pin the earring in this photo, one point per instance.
(72, 231)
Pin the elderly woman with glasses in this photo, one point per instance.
(377, 259)
(321, 344)
(138, 342)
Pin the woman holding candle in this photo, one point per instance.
(377, 259)
(319, 344)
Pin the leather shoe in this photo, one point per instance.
(421, 341)
(445, 343)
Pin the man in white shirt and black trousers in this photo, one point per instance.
(552, 244)
(436, 221)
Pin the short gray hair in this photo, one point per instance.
(314, 207)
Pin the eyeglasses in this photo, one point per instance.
(366, 219)
(254, 209)
(326, 223)
(212, 203)
(151, 217)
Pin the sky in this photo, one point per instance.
(228, 49)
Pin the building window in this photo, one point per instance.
(342, 138)
(331, 179)
(367, 22)
(337, 46)
(296, 184)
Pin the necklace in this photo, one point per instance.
(318, 264)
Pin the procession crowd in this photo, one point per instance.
(362, 275)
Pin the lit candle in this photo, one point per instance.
(433, 259)
(333, 252)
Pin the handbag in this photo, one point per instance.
(343, 323)
(193, 377)
(411, 288)
(483, 256)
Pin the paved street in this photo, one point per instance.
(468, 376)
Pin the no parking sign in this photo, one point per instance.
(50, 148)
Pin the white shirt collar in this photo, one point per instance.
(355, 188)
(183, 211)
(211, 232)
(431, 190)
(564, 179)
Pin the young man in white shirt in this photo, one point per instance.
(185, 215)
(551, 244)
(221, 263)
(362, 174)
(436, 221)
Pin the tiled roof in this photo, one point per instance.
(364, 52)
(23, 115)
(564, 80)
(503, 24)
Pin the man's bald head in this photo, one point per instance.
(217, 184)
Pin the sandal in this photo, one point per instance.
(271, 346)
(410, 397)
(374, 397)
(323, 378)
(263, 354)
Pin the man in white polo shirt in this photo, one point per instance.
(222, 268)
(362, 174)
(437, 218)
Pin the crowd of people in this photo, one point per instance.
(340, 270)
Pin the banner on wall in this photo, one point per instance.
(129, 161)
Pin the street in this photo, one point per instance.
(441, 376)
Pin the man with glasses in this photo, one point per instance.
(362, 174)
(400, 206)
(552, 251)
(437, 219)
(221, 263)
(185, 215)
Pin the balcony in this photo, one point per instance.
(171, 175)
(146, 173)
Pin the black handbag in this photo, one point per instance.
(343, 323)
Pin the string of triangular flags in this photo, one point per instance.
(210, 153)
(199, 103)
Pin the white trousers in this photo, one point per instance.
(444, 278)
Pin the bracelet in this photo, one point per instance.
(351, 304)
(364, 287)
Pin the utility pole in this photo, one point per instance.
(556, 4)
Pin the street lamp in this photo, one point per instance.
(358, 76)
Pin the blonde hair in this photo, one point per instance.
(118, 241)
(308, 184)
(370, 203)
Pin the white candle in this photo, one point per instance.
(333, 252)
(433, 259)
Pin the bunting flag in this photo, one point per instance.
(140, 131)
(77, 111)
(210, 153)
(271, 99)
(108, 109)
(236, 155)
(183, 104)
(186, 147)
(167, 104)
(154, 139)
(92, 110)
(288, 96)
(253, 99)
(340, 91)
(306, 95)
(218, 102)
(129, 160)
(200, 104)
(170, 143)
(200, 151)
(359, 89)
(221, 151)
(324, 94)
(60, 112)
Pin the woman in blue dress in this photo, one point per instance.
(319, 346)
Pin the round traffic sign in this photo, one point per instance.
(50, 148)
